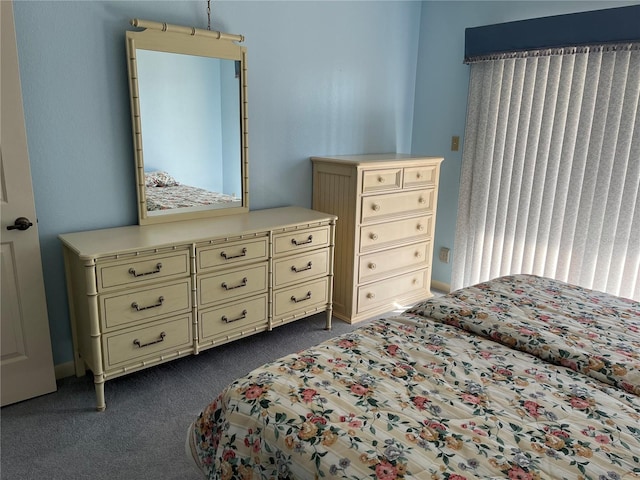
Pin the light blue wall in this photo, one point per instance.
(324, 78)
(442, 84)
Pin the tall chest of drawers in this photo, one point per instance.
(144, 295)
(384, 240)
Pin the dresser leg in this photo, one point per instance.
(329, 314)
(98, 380)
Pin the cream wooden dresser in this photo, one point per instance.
(384, 240)
(143, 295)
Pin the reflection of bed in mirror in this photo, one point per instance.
(163, 192)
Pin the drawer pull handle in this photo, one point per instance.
(371, 295)
(137, 343)
(418, 175)
(308, 240)
(418, 255)
(242, 284)
(372, 266)
(380, 179)
(297, 270)
(420, 228)
(132, 271)
(306, 297)
(422, 201)
(373, 236)
(242, 316)
(375, 207)
(229, 257)
(138, 308)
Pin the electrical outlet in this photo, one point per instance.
(445, 254)
(455, 143)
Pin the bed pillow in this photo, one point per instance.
(159, 179)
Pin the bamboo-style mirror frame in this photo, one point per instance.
(163, 37)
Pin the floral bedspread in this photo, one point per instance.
(585, 330)
(181, 196)
(416, 397)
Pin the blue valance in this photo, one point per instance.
(598, 27)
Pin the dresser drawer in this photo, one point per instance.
(232, 253)
(301, 297)
(396, 204)
(142, 304)
(425, 176)
(300, 268)
(142, 269)
(146, 343)
(300, 240)
(387, 291)
(233, 318)
(394, 233)
(232, 284)
(385, 263)
(381, 180)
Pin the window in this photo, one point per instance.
(551, 168)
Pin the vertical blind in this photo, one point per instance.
(551, 169)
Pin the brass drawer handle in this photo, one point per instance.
(308, 240)
(422, 201)
(419, 227)
(375, 207)
(306, 297)
(155, 305)
(373, 236)
(297, 270)
(229, 257)
(242, 316)
(137, 343)
(242, 284)
(132, 271)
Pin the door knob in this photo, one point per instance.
(21, 223)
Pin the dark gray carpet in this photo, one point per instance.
(142, 432)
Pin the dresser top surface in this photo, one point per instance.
(377, 159)
(96, 243)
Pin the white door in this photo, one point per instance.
(26, 363)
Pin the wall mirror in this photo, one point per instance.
(189, 116)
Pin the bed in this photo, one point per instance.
(521, 377)
(163, 192)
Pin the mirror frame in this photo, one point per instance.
(163, 37)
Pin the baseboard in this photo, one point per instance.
(63, 370)
(440, 286)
